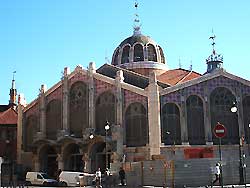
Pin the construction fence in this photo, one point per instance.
(181, 173)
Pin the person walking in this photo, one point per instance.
(122, 176)
(98, 176)
(217, 174)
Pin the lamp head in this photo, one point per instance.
(107, 127)
(91, 136)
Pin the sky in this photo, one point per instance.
(38, 38)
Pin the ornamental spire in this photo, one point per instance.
(212, 38)
(214, 61)
(137, 24)
(13, 92)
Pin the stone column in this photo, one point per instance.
(21, 104)
(42, 111)
(60, 163)
(91, 72)
(119, 80)
(183, 120)
(154, 116)
(207, 118)
(117, 139)
(65, 85)
(240, 112)
(86, 161)
(36, 163)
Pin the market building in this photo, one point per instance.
(152, 112)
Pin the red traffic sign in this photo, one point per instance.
(219, 130)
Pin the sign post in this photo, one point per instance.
(220, 132)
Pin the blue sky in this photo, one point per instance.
(38, 38)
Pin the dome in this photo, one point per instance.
(141, 54)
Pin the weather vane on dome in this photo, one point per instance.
(213, 41)
(137, 25)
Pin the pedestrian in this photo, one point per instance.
(217, 174)
(98, 176)
(122, 176)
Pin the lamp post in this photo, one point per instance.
(241, 152)
(107, 127)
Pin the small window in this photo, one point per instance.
(151, 53)
(39, 176)
(138, 53)
(125, 55)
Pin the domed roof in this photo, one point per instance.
(138, 39)
(139, 53)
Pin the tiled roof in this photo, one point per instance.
(8, 117)
(3, 108)
(176, 76)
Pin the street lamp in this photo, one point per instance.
(107, 127)
(91, 136)
(241, 152)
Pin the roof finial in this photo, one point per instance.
(137, 25)
(180, 65)
(191, 66)
(214, 61)
(213, 41)
(106, 58)
(13, 81)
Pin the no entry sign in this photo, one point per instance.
(219, 130)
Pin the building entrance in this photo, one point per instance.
(48, 161)
(98, 157)
(73, 158)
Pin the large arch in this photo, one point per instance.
(246, 116)
(105, 111)
(136, 125)
(221, 101)
(72, 158)
(195, 120)
(53, 118)
(31, 128)
(171, 128)
(47, 160)
(78, 119)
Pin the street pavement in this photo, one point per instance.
(224, 186)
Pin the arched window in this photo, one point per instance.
(138, 53)
(171, 128)
(162, 55)
(195, 120)
(105, 111)
(246, 115)
(221, 101)
(152, 53)
(53, 118)
(125, 54)
(115, 58)
(136, 125)
(31, 128)
(78, 108)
